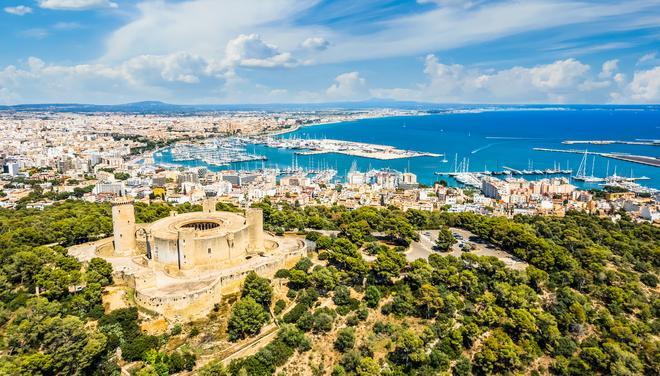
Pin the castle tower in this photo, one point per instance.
(208, 205)
(255, 221)
(185, 251)
(123, 227)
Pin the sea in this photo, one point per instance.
(480, 139)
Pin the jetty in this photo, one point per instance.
(641, 159)
(611, 142)
(512, 171)
(356, 149)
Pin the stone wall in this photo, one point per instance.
(179, 306)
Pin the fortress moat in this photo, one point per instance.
(183, 264)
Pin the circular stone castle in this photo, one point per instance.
(182, 265)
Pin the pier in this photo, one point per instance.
(611, 142)
(511, 171)
(641, 159)
(356, 149)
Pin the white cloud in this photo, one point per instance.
(619, 78)
(555, 82)
(35, 33)
(315, 43)
(76, 4)
(181, 67)
(347, 86)
(609, 68)
(19, 10)
(651, 57)
(145, 76)
(593, 85)
(67, 26)
(645, 86)
(251, 51)
(205, 27)
(444, 28)
(450, 3)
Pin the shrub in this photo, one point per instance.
(294, 314)
(345, 339)
(279, 306)
(247, 318)
(282, 273)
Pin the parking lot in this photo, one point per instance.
(466, 242)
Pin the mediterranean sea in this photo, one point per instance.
(490, 139)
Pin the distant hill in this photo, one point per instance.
(156, 107)
(161, 107)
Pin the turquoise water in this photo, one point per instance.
(491, 140)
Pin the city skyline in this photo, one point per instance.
(306, 51)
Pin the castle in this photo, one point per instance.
(182, 265)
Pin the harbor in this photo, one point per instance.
(513, 152)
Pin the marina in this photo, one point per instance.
(462, 168)
(214, 152)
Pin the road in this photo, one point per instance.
(424, 247)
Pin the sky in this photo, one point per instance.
(308, 51)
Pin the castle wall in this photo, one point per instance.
(198, 303)
(197, 250)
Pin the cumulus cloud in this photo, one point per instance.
(315, 43)
(609, 68)
(19, 10)
(347, 86)
(145, 76)
(205, 27)
(554, 82)
(619, 78)
(252, 51)
(76, 4)
(645, 86)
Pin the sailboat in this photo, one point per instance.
(582, 170)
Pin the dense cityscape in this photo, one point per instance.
(49, 157)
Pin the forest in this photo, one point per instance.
(587, 304)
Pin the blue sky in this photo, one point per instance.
(247, 51)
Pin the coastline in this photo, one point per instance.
(300, 126)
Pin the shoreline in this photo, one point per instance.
(300, 126)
